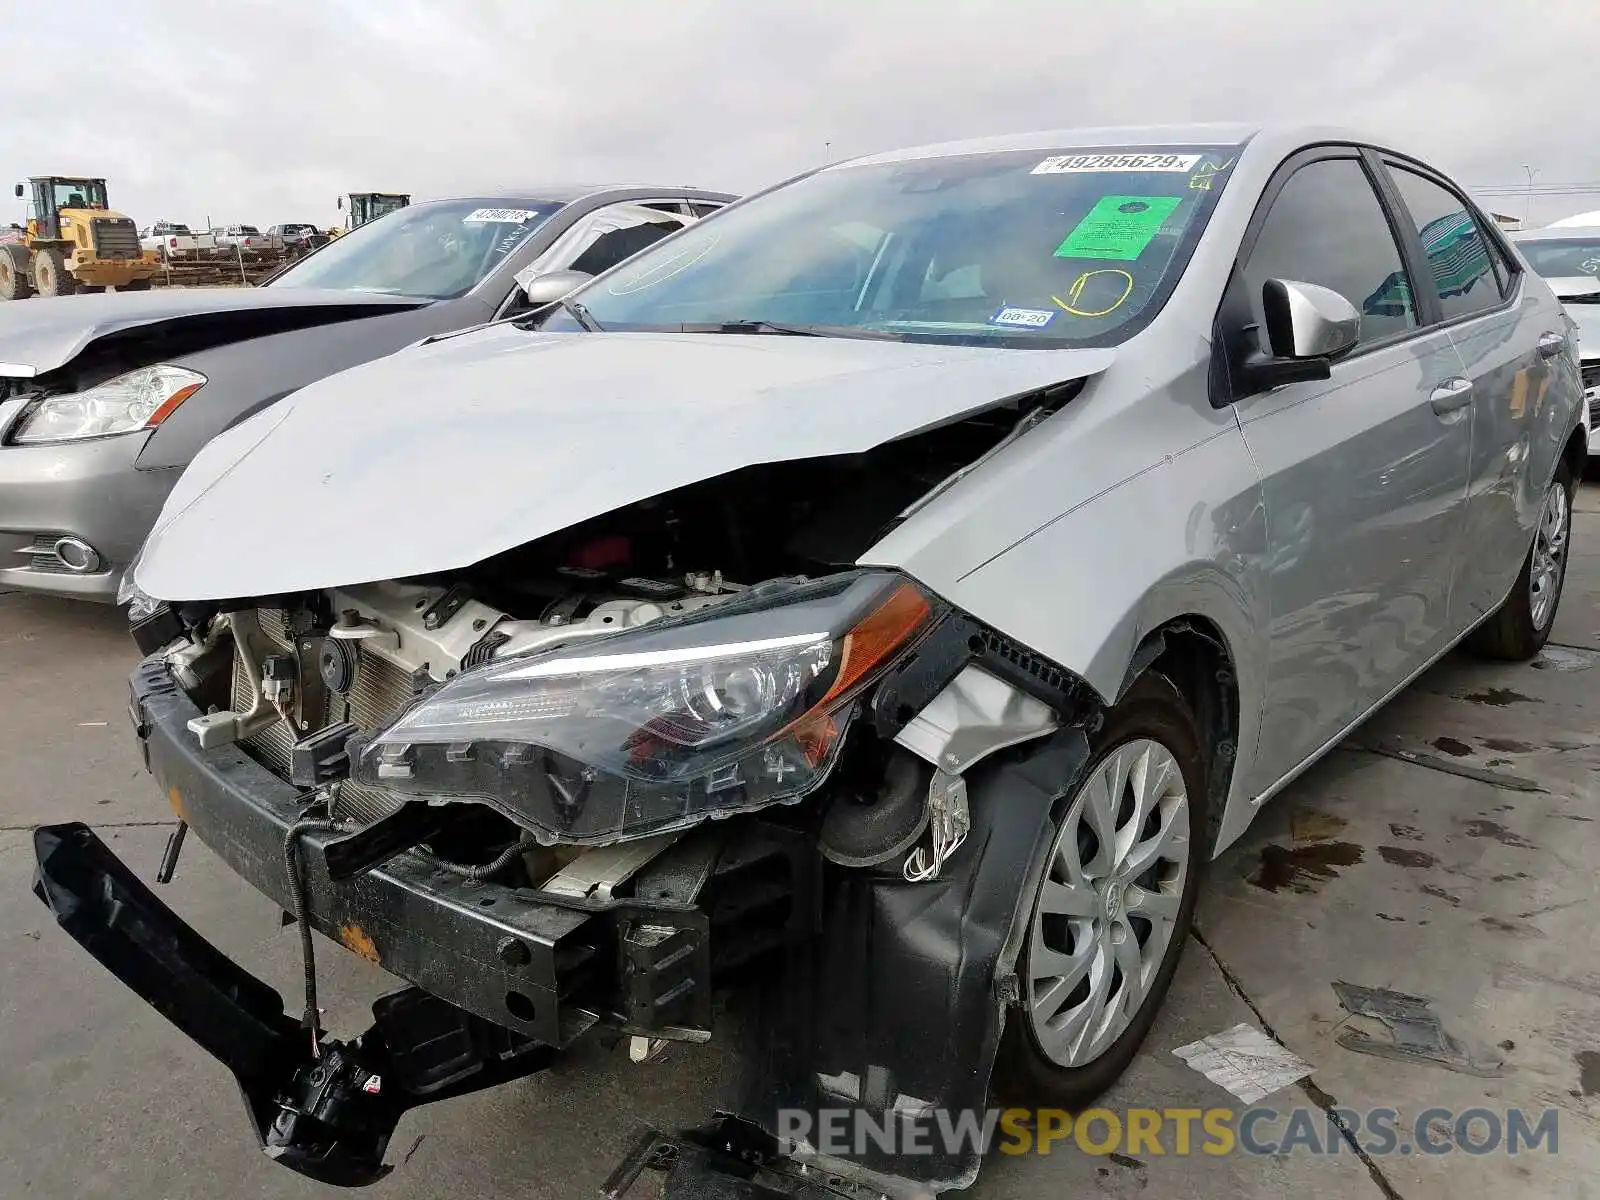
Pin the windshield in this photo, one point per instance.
(435, 251)
(1032, 248)
(76, 193)
(1559, 258)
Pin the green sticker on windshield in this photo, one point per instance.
(1118, 227)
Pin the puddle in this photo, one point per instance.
(1497, 831)
(1303, 869)
(1409, 833)
(1399, 856)
(1499, 697)
(1452, 747)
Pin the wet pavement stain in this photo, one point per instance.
(1409, 833)
(1589, 1071)
(1508, 746)
(1314, 825)
(1497, 831)
(1508, 878)
(1500, 697)
(1452, 747)
(1440, 893)
(1401, 857)
(1303, 869)
(1388, 917)
(1500, 926)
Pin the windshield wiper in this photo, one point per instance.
(774, 327)
(580, 314)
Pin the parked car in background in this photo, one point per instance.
(104, 399)
(886, 595)
(247, 242)
(1568, 256)
(176, 242)
(299, 238)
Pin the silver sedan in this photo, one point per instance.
(897, 586)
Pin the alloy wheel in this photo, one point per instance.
(1108, 903)
(1549, 554)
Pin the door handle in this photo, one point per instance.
(1451, 395)
(1551, 344)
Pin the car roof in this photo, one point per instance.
(1093, 137)
(1557, 233)
(568, 193)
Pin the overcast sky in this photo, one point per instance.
(264, 112)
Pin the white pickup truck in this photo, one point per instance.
(247, 242)
(177, 243)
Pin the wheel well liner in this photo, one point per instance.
(1193, 653)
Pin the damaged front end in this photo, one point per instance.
(578, 790)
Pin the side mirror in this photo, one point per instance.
(1307, 327)
(340, 203)
(18, 191)
(549, 287)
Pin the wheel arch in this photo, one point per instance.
(1195, 655)
(1576, 452)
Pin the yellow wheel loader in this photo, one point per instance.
(73, 243)
(367, 206)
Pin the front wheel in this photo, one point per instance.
(1521, 625)
(14, 282)
(1114, 906)
(50, 274)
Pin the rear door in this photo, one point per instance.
(1363, 474)
(1511, 344)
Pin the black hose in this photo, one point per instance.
(482, 871)
(310, 1019)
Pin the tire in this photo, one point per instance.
(50, 274)
(134, 285)
(14, 281)
(1152, 724)
(1521, 625)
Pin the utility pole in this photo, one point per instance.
(1527, 209)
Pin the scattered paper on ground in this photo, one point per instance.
(1245, 1061)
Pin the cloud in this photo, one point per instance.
(265, 112)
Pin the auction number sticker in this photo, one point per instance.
(1073, 164)
(501, 216)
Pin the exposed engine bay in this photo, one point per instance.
(682, 747)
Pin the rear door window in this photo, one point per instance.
(1457, 249)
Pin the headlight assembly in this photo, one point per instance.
(140, 399)
(659, 728)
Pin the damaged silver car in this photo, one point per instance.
(879, 600)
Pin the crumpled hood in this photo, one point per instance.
(443, 455)
(49, 332)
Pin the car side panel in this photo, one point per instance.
(1143, 509)
(1524, 408)
(1365, 488)
(244, 377)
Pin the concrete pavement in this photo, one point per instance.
(1444, 853)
